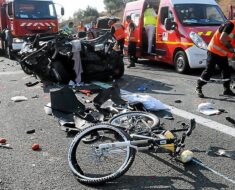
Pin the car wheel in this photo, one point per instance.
(181, 62)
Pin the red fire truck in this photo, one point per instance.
(22, 18)
(184, 29)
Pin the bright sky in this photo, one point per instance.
(71, 6)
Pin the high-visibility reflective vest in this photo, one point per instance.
(215, 46)
(133, 37)
(81, 29)
(119, 31)
(149, 18)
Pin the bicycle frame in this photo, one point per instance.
(145, 141)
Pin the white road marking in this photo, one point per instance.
(187, 115)
(11, 73)
(203, 121)
(213, 171)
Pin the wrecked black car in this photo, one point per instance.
(53, 59)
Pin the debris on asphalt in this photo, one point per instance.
(208, 109)
(3, 140)
(19, 98)
(222, 110)
(217, 151)
(35, 97)
(4, 145)
(178, 101)
(30, 84)
(35, 147)
(47, 109)
(30, 131)
(149, 102)
(231, 120)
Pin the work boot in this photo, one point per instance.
(228, 92)
(131, 65)
(198, 90)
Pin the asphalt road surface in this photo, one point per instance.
(23, 169)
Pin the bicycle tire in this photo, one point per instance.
(74, 163)
(155, 120)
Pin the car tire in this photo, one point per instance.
(181, 62)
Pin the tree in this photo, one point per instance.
(79, 14)
(114, 6)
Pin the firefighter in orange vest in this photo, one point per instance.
(118, 31)
(132, 41)
(219, 49)
(81, 27)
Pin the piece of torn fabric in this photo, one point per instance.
(207, 109)
(112, 93)
(64, 100)
(217, 151)
(76, 48)
(149, 102)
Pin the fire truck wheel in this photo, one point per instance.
(181, 62)
(8, 52)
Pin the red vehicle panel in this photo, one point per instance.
(181, 39)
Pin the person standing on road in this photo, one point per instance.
(69, 29)
(132, 41)
(150, 20)
(219, 49)
(118, 31)
(81, 27)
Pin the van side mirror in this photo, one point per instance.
(169, 24)
(62, 11)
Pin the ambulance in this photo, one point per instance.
(184, 29)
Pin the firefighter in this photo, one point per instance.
(69, 29)
(118, 31)
(150, 21)
(132, 41)
(81, 27)
(219, 49)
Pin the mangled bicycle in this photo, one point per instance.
(105, 151)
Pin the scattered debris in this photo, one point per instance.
(149, 102)
(47, 109)
(2, 140)
(35, 147)
(222, 110)
(35, 97)
(217, 151)
(4, 145)
(178, 101)
(30, 84)
(231, 120)
(208, 109)
(19, 98)
(30, 131)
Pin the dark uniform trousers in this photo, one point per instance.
(212, 61)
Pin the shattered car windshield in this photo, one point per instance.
(34, 10)
(199, 14)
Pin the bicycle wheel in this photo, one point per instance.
(136, 122)
(93, 164)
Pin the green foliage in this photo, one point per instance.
(87, 15)
(114, 6)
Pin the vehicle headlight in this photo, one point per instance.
(197, 40)
(18, 40)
